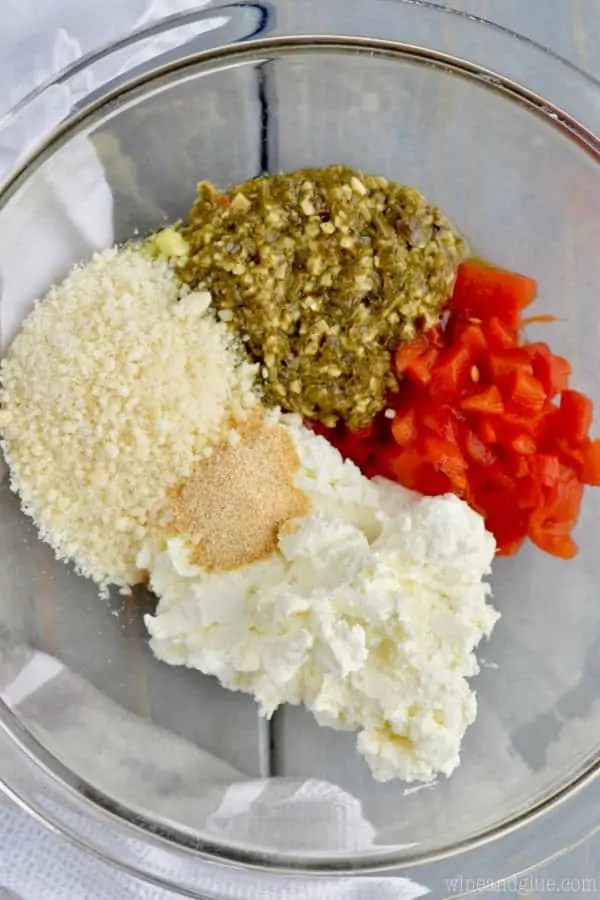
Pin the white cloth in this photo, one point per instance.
(166, 774)
(205, 792)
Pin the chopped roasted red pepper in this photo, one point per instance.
(523, 444)
(553, 372)
(478, 450)
(404, 428)
(591, 465)
(504, 363)
(498, 335)
(472, 338)
(485, 291)
(516, 420)
(571, 454)
(545, 469)
(475, 415)
(442, 420)
(564, 498)
(526, 391)
(451, 372)
(487, 432)
(553, 538)
(488, 402)
(445, 456)
(407, 468)
(576, 413)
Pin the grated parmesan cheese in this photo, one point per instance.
(118, 382)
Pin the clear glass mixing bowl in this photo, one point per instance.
(116, 144)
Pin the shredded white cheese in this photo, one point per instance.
(119, 380)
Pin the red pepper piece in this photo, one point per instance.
(487, 402)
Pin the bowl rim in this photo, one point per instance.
(182, 18)
(93, 802)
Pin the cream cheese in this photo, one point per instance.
(369, 613)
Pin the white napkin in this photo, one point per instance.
(163, 772)
(203, 791)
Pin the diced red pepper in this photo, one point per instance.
(553, 372)
(472, 338)
(537, 350)
(591, 465)
(474, 415)
(553, 538)
(505, 362)
(432, 482)
(450, 373)
(415, 365)
(404, 428)
(545, 469)
(382, 462)
(405, 468)
(526, 391)
(414, 472)
(477, 450)
(359, 452)
(560, 372)
(571, 454)
(487, 432)
(499, 336)
(531, 493)
(420, 369)
(363, 434)
(520, 466)
(515, 420)
(487, 402)
(510, 544)
(510, 530)
(415, 358)
(576, 414)
(442, 421)
(497, 503)
(408, 352)
(435, 337)
(564, 499)
(548, 427)
(523, 444)
(444, 455)
(503, 481)
(485, 291)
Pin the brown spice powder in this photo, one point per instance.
(234, 503)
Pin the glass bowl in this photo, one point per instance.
(115, 146)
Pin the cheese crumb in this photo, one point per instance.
(118, 382)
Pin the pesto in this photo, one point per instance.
(325, 271)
